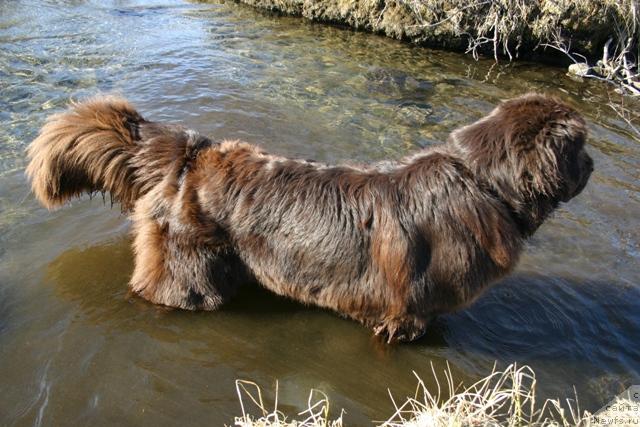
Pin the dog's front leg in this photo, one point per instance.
(402, 328)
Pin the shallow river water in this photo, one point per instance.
(75, 347)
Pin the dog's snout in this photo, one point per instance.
(586, 161)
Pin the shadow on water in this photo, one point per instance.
(557, 323)
(542, 317)
(579, 332)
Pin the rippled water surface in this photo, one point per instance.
(75, 347)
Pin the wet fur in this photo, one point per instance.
(389, 245)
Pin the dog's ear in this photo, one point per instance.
(521, 145)
(493, 232)
(566, 139)
(541, 134)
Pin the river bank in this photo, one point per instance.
(600, 37)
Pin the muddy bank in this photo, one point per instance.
(507, 28)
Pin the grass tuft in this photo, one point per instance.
(316, 414)
(503, 398)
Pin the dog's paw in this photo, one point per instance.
(401, 329)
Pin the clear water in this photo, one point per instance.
(75, 347)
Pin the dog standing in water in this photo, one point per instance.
(390, 246)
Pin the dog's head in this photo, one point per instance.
(530, 149)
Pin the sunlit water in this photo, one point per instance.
(75, 347)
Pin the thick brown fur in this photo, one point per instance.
(391, 245)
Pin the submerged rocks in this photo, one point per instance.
(414, 113)
(395, 82)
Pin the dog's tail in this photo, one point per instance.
(103, 145)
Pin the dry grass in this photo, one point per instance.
(250, 395)
(601, 34)
(499, 26)
(619, 60)
(503, 398)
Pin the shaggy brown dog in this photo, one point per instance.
(390, 245)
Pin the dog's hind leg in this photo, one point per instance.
(176, 271)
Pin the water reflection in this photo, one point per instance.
(258, 335)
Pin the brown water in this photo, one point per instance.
(76, 348)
